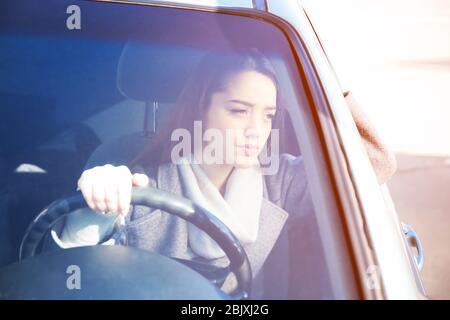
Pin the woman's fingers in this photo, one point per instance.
(124, 191)
(140, 180)
(98, 195)
(108, 188)
(124, 198)
(111, 196)
(86, 189)
(112, 179)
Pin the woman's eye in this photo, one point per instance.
(270, 116)
(239, 111)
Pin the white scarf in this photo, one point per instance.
(239, 208)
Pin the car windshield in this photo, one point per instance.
(83, 91)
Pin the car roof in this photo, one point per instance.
(279, 8)
(248, 4)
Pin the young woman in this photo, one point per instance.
(237, 99)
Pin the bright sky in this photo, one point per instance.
(395, 55)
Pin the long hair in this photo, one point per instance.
(209, 77)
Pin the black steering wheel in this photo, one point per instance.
(170, 203)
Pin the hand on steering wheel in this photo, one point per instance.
(157, 199)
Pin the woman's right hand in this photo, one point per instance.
(108, 188)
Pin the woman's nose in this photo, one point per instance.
(253, 128)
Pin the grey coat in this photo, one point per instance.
(286, 259)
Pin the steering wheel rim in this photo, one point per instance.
(157, 199)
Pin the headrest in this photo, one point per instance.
(155, 72)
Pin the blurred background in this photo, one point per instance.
(395, 57)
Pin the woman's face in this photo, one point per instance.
(243, 114)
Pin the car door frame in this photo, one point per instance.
(368, 216)
(384, 188)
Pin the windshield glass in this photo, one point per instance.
(127, 85)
